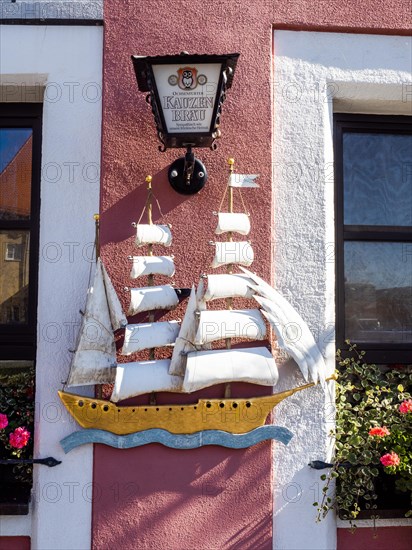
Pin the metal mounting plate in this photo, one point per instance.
(178, 181)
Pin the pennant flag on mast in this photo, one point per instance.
(243, 180)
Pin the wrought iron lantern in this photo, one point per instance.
(186, 93)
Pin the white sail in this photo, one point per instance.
(185, 338)
(152, 297)
(228, 286)
(252, 365)
(293, 334)
(149, 335)
(239, 223)
(242, 323)
(153, 234)
(233, 253)
(200, 295)
(243, 180)
(152, 265)
(95, 354)
(117, 316)
(144, 377)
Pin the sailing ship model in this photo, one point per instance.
(194, 365)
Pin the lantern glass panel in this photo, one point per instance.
(188, 94)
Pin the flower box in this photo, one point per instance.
(373, 454)
(14, 493)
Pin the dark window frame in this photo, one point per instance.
(380, 353)
(19, 341)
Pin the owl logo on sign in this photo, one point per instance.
(187, 78)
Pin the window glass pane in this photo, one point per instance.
(15, 173)
(14, 276)
(378, 292)
(377, 176)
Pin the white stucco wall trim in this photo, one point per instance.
(370, 523)
(15, 526)
(315, 74)
(67, 61)
(46, 9)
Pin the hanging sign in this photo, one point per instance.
(187, 95)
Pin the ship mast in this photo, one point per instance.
(229, 301)
(149, 202)
(96, 217)
(150, 282)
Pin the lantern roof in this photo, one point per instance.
(140, 64)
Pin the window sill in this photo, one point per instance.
(393, 514)
(16, 526)
(368, 523)
(15, 499)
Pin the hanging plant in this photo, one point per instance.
(16, 422)
(373, 436)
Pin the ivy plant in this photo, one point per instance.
(373, 436)
(17, 419)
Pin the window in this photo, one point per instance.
(13, 252)
(20, 148)
(373, 165)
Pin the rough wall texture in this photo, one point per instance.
(164, 507)
(14, 543)
(61, 58)
(209, 498)
(378, 539)
(303, 262)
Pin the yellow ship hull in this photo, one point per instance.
(236, 416)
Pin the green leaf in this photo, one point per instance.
(353, 459)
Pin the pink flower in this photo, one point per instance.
(19, 438)
(4, 422)
(390, 459)
(379, 432)
(406, 406)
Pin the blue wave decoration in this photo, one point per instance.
(177, 441)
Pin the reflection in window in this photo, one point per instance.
(14, 276)
(13, 252)
(378, 292)
(377, 171)
(16, 146)
(374, 235)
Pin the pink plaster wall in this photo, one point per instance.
(161, 501)
(15, 543)
(398, 538)
(209, 498)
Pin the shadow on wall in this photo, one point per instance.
(221, 497)
(131, 206)
(381, 538)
